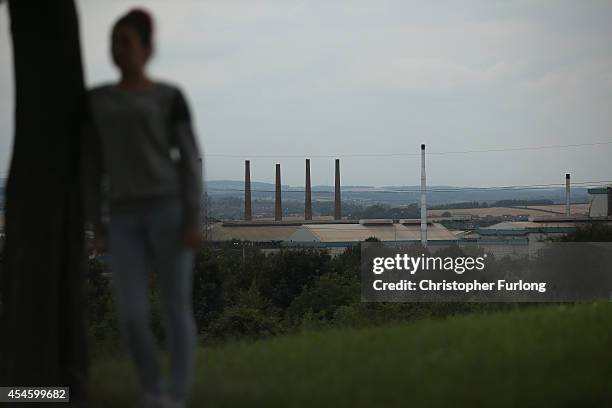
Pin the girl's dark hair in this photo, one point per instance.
(142, 22)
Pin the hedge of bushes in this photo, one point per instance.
(260, 295)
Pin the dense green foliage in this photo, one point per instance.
(255, 295)
(386, 211)
(460, 205)
(232, 208)
(249, 294)
(590, 233)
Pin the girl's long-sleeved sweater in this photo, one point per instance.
(138, 149)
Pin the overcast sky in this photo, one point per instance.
(294, 79)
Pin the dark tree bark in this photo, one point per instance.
(42, 332)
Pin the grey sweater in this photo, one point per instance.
(139, 149)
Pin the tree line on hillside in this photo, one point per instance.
(232, 208)
(485, 204)
(260, 295)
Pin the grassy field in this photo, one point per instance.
(535, 210)
(537, 357)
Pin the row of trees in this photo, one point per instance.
(484, 204)
(232, 208)
(261, 295)
(268, 294)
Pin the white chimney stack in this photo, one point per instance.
(567, 195)
(423, 199)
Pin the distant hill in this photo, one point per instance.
(396, 195)
(216, 185)
(385, 194)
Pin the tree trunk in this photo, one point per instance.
(42, 332)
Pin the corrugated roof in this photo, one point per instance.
(532, 210)
(543, 223)
(512, 225)
(265, 233)
(359, 232)
(325, 232)
(525, 227)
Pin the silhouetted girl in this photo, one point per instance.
(141, 158)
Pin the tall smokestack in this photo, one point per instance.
(338, 203)
(567, 195)
(423, 199)
(307, 195)
(247, 191)
(278, 207)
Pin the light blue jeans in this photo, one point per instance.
(142, 241)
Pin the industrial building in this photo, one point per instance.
(505, 238)
(335, 235)
(526, 237)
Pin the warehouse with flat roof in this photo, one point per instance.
(334, 235)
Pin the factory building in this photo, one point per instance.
(527, 237)
(335, 235)
(508, 238)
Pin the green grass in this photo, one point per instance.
(537, 357)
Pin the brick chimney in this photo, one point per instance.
(278, 206)
(308, 194)
(338, 202)
(247, 191)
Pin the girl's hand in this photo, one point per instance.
(192, 236)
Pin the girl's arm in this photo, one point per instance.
(190, 166)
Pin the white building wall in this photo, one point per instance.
(599, 205)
